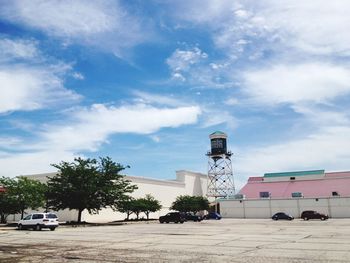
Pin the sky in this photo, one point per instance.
(146, 82)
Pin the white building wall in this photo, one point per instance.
(166, 191)
(335, 207)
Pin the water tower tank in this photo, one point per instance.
(218, 143)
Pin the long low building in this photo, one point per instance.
(166, 191)
(291, 192)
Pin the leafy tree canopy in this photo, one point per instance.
(149, 205)
(8, 201)
(21, 193)
(88, 184)
(187, 203)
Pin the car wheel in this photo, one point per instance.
(52, 228)
(37, 228)
(305, 218)
(182, 222)
(20, 227)
(322, 218)
(167, 222)
(176, 222)
(161, 222)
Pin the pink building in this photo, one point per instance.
(308, 184)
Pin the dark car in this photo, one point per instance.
(306, 215)
(282, 216)
(213, 215)
(192, 217)
(175, 217)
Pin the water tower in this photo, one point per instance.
(220, 174)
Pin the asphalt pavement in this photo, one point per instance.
(226, 240)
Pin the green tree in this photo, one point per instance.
(20, 194)
(126, 206)
(137, 206)
(187, 203)
(150, 205)
(8, 202)
(29, 193)
(88, 184)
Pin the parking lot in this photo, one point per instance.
(227, 240)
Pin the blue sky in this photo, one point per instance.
(146, 82)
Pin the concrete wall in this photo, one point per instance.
(335, 207)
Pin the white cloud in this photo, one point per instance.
(190, 67)
(24, 88)
(203, 11)
(316, 27)
(91, 127)
(214, 117)
(104, 23)
(324, 149)
(156, 99)
(323, 116)
(182, 60)
(155, 138)
(9, 142)
(86, 130)
(78, 76)
(32, 162)
(17, 49)
(232, 101)
(312, 82)
(319, 27)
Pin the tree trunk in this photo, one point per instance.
(79, 215)
(3, 219)
(22, 213)
(147, 215)
(137, 215)
(128, 215)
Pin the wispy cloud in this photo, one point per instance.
(297, 83)
(30, 80)
(236, 25)
(324, 149)
(105, 24)
(213, 117)
(33, 162)
(182, 60)
(157, 99)
(22, 49)
(34, 88)
(90, 127)
(86, 129)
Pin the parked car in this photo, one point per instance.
(306, 215)
(282, 215)
(213, 215)
(190, 216)
(37, 221)
(175, 217)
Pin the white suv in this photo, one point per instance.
(37, 221)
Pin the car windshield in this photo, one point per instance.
(27, 217)
(51, 216)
